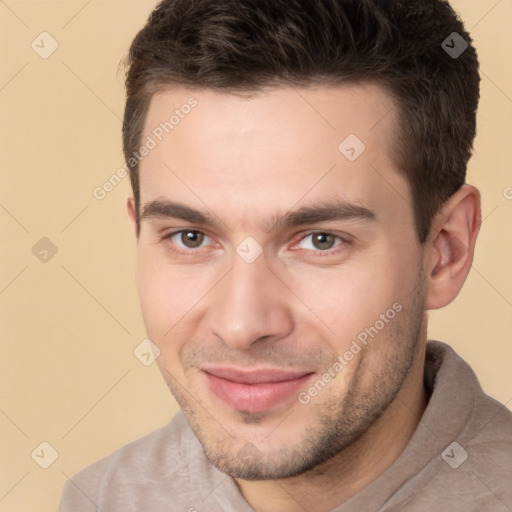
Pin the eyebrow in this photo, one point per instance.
(332, 211)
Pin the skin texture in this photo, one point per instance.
(245, 159)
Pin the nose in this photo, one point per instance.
(250, 305)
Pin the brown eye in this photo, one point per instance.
(188, 242)
(192, 239)
(323, 241)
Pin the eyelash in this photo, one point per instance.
(345, 241)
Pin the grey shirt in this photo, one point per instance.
(459, 459)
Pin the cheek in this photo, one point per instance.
(163, 294)
(164, 305)
(347, 297)
(172, 296)
(350, 298)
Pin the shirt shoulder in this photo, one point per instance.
(472, 474)
(471, 470)
(140, 470)
(488, 453)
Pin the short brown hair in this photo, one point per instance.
(245, 45)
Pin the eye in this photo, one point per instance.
(187, 239)
(320, 241)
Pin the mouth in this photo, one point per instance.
(255, 390)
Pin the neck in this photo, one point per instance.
(353, 468)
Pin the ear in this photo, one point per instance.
(450, 247)
(132, 214)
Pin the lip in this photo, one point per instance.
(255, 390)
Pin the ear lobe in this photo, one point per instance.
(451, 252)
(132, 213)
(442, 249)
(451, 247)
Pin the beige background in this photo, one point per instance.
(69, 326)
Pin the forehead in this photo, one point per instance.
(274, 115)
(275, 147)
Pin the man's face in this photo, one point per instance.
(245, 337)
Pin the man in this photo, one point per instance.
(298, 171)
